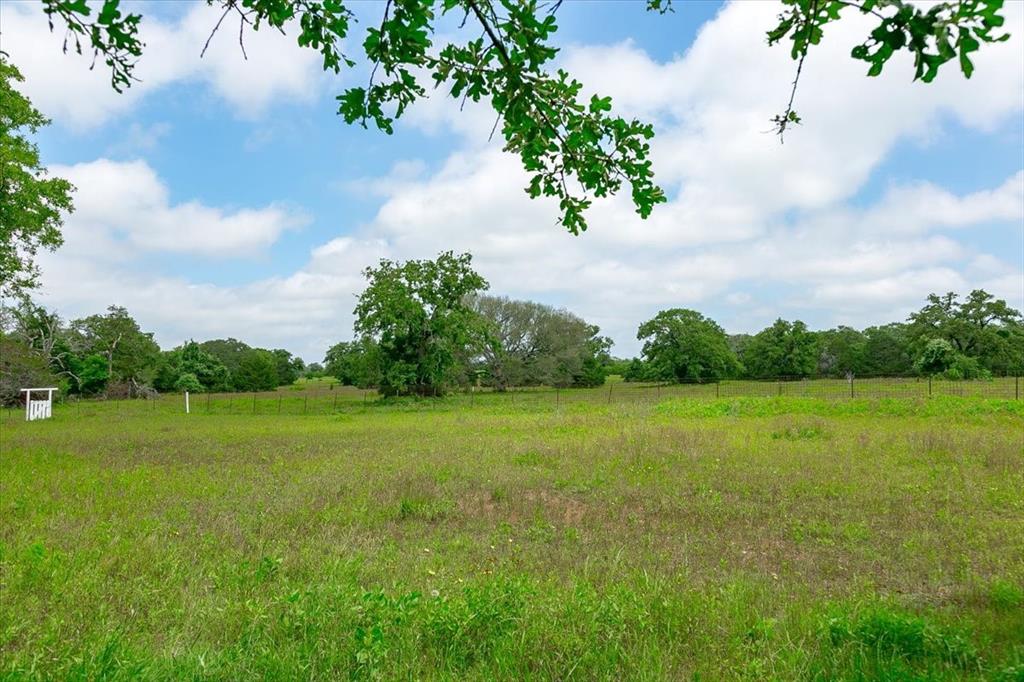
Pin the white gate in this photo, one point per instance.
(38, 409)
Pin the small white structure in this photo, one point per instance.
(38, 409)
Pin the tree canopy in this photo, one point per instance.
(683, 345)
(31, 203)
(783, 349)
(573, 146)
(537, 344)
(417, 315)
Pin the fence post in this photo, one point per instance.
(557, 400)
(1016, 387)
(780, 386)
(718, 389)
(279, 404)
(929, 385)
(254, 402)
(610, 393)
(335, 407)
(851, 385)
(472, 396)
(186, 402)
(305, 403)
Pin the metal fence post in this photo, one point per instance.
(609, 393)
(929, 385)
(1016, 387)
(851, 385)
(780, 386)
(279, 404)
(557, 399)
(305, 403)
(718, 389)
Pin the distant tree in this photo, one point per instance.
(738, 343)
(537, 344)
(683, 345)
(617, 366)
(416, 313)
(32, 204)
(1008, 356)
(354, 363)
(188, 382)
(257, 371)
(978, 327)
(887, 351)
(131, 354)
(940, 357)
(313, 370)
(21, 367)
(937, 356)
(91, 373)
(593, 370)
(229, 351)
(190, 358)
(638, 370)
(841, 351)
(43, 331)
(783, 349)
(288, 367)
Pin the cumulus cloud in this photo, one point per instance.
(66, 89)
(754, 229)
(124, 206)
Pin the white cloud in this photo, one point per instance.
(65, 88)
(124, 206)
(754, 229)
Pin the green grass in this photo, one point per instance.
(477, 538)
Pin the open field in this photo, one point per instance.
(481, 538)
(325, 396)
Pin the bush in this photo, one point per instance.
(188, 382)
(20, 368)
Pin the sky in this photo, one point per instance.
(222, 196)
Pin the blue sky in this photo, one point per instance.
(225, 198)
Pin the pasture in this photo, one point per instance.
(531, 536)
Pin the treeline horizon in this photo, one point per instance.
(532, 344)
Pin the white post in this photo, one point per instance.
(28, 404)
(186, 402)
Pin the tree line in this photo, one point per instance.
(108, 354)
(974, 337)
(424, 327)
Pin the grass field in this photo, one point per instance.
(668, 538)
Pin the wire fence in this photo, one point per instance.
(333, 399)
